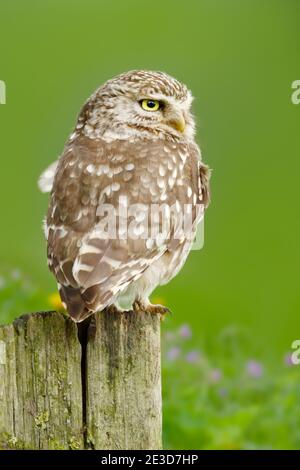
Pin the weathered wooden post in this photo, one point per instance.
(102, 392)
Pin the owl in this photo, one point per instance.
(127, 194)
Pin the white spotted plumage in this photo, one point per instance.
(124, 157)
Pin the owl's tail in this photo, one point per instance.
(74, 302)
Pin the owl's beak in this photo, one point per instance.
(178, 122)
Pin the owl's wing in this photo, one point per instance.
(102, 234)
(204, 174)
(93, 266)
(45, 182)
(191, 192)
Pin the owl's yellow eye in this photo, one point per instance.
(150, 105)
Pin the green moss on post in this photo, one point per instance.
(40, 376)
(52, 398)
(124, 382)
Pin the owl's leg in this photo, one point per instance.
(143, 305)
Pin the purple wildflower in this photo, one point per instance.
(16, 274)
(185, 331)
(254, 369)
(288, 360)
(223, 392)
(169, 335)
(173, 353)
(215, 375)
(193, 356)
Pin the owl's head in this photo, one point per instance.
(139, 104)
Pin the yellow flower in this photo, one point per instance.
(55, 301)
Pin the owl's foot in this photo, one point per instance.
(139, 306)
(158, 309)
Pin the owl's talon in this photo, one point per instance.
(137, 306)
(157, 309)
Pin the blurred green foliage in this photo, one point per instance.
(223, 399)
(239, 59)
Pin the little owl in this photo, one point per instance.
(130, 173)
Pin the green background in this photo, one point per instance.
(239, 58)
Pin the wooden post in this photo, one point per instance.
(102, 392)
